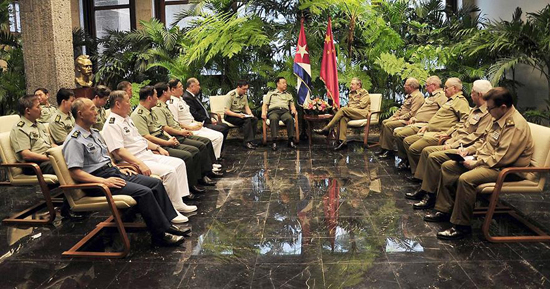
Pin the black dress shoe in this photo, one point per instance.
(341, 145)
(214, 174)
(324, 132)
(274, 147)
(197, 189)
(167, 240)
(291, 144)
(178, 231)
(206, 181)
(403, 165)
(412, 179)
(455, 233)
(437, 217)
(428, 202)
(191, 197)
(380, 152)
(416, 195)
(250, 146)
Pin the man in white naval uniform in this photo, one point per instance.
(183, 116)
(125, 142)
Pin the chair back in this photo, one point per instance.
(218, 103)
(375, 105)
(8, 121)
(62, 171)
(8, 155)
(541, 150)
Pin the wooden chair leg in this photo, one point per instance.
(296, 132)
(49, 202)
(366, 136)
(264, 132)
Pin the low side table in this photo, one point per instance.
(310, 119)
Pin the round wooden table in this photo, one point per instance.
(311, 118)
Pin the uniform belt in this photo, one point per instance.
(105, 167)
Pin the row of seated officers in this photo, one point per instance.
(164, 136)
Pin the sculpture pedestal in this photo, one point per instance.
(87, 92)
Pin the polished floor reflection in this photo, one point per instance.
(306, 218)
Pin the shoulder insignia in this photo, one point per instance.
(58, 118)
(75, 134)
(140, 111)
(158, 104)
(510, 122)
(21, 124)
(171, 100)
(111, 120)
(95, 129)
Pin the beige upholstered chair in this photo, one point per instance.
(80, 202)
(535, 184)
(218, 104)
(8, 121)
(15, 177)
(373, 117)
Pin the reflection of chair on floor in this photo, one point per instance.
(372, 119)
(15, 177)
(541, 155)
(80, 202)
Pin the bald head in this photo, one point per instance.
(84, 112)
(77, 106)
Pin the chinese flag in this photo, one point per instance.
(329, 73)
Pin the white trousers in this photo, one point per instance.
(173, 173)
(215, 136)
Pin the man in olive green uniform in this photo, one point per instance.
(413, 102)
(358, 108)
(29, 138)
(507, 143)
(147, 125)
(47, 109)
(430, 107)
(463, 134)
(101, 95)
(451, 113)
(62, 122)
(238, 113)
(279, 105)
(169, 124)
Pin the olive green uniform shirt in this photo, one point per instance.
(236, 103)
(60, 126)
(431, 105)
(412, 104)
(164, 115)
(101, 117)
(146, 122)
(46, 114)
(450, 113)
(507, 142)
(276, 99)
(359, 99)
(470, 129)
(26, 135)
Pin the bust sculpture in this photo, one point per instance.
(83, 68)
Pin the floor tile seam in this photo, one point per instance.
(183, 276)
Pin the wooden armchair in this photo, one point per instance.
(15, 177)
(541, 156)
(80, 202)
(372, 119)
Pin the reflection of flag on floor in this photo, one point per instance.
(329, 72)
(302, 68)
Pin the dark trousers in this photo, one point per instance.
(206, 153)
(284, 115)
(248, 124)
(46, 168)
(152, 201)
(190, 155)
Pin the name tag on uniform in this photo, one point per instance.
(126, 130)
(91, 146)
(180, 107)
(495, 135)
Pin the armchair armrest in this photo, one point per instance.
(34, 166)
(99, 186)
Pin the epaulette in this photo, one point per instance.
(76, 133)
(158, 104)
(140, 111)
(112, 120)
(510, 122)
(58, 119)
(21, 124)
(171, 100)
(95, 129)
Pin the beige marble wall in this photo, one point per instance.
(47, 44)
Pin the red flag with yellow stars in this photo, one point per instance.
(329, 72)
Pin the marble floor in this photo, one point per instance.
(306, 218)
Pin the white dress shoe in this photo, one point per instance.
(185, 208)
(180, 219)
(217, 166)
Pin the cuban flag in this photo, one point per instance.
(302, 68)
